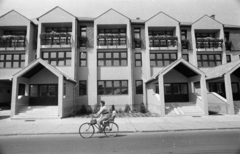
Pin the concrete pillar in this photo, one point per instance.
(179, 43)
(224, 53)
(92, 75)
(40, 29)
(74, 49)
(14, 96)
(60, 97)
(161, 94)
(204, 94)
(131, 90)
(229, 97)
(194, 47)
(147, 58)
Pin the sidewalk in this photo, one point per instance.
(126, 125)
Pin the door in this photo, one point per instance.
(235, 91)
(176, 92)
(43, 95)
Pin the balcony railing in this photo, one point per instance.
(53, 40)
(12, 42)
(185, 44)
(112, 41)
(163, 42)
(209, 44)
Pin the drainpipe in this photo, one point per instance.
(74, 102)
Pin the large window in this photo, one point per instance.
(83, 59)
(12, 60)
(209, 60)
(204, 35)
(162, 59)
(160, 33)
(112, 58)
(18, 39)
(21, 89)
(139, 87)
(57, 58)
(112, 87)
(138, 59)
(82, 87)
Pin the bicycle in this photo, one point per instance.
(110, 128)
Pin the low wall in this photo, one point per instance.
(21, 101)
(217, 103)
(195, 98)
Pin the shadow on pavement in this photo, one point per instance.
(4, 117)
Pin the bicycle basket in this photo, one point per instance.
(93, 121)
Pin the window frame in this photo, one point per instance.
(138, 60)
(57, 58)
(83, 29)
(156, 60)
(20, 60)
(82, 59)
(105, 88)
(112, 59)
(137, 30)
(208, 60)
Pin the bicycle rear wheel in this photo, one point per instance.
(111, 129)
(86, 130)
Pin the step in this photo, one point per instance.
(183, 109)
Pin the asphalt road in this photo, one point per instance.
(194, 142)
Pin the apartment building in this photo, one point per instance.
(59, 62)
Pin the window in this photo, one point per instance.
(160, 33)
(162, 59)
(139, 87)
(33, 90)
(137, 37)
(112, 31)
(14, 42)
(228, 58)
(59, 58)
(226, 36)
(112, 58)
(83, 36)
(138, 59)
(59, 29)
(57, 40)
(185, 57)
(12, 60)
(82, 87)
(112, 87)
(21, 89)
(83, 59)
(209, 60)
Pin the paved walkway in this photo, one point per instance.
(126, 125)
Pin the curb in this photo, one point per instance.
(150, 131)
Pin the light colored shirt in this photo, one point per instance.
(103, 110)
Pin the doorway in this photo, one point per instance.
(43, 95)
(176, 92)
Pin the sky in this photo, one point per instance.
(226, 11)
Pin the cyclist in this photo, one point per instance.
(103, 113)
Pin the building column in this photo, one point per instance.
(161, 94)
(179, 43)
(193, 60)
(147, 58)
(14, 96)
(229, 97)
(131, 91)
(40, 29)
(224, 53)
(204, 94)
(74, 49)
(60, 97)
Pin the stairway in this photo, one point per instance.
(183, 108)
(37, 112)
(237, 107)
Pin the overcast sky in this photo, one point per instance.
(226, 11)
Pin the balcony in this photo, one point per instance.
(163, 42)
(55, 40)
(209, 44)
(12, 42)
(185, 44)
(112, 41)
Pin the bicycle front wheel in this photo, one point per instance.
(111, 130)
(86, 130)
